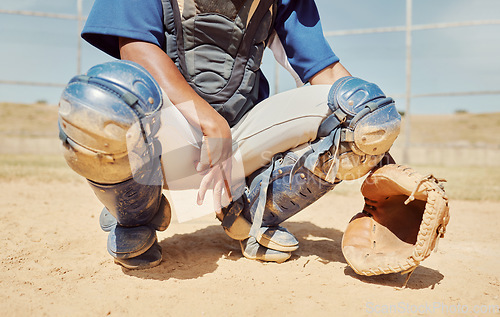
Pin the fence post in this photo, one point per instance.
(79, 39)
(406, 147)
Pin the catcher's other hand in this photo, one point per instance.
(405, 214)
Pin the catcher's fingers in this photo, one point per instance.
(225, 181)
(222, 182)
(206, 181)
(218, 178)
(211, 153)
(218, 188)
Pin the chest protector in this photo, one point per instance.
(218, 46)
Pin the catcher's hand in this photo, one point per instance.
(405, 214)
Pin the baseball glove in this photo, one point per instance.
(404, 215)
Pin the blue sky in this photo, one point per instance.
(445, 60)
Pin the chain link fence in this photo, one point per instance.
(406, 152)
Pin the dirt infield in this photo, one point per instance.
(54, 263)
(54, 259)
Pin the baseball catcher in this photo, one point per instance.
(199, 62)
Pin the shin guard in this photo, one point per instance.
(362, 127)
(273, 196)
(108, 125)
(132, 213)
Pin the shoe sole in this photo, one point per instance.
(264, 241)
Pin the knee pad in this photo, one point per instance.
(108, 121)
(362, 127)
(96, 113)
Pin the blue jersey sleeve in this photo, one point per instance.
(136, 19)
(299, 29)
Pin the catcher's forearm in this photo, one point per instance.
(329, 74)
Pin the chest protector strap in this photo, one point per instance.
(218, 46)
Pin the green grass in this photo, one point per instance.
(468, 183)
(466, 128)
(28, 120)
(462, 183)
(45, 168)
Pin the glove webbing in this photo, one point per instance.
(423, 179)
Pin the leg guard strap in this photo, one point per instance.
(274, 195)
(287, 193)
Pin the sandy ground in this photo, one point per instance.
(54, 262)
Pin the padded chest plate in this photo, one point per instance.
(218, 46)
